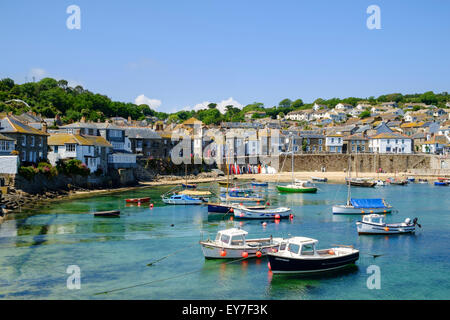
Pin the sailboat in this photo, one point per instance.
(187, 185)
(297, 186)
(361, 206)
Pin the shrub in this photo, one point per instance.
(28, 172)
(73, 167)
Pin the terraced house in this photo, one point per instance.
(93, 151)
(391, 143)
(144, 142)
(31, 143)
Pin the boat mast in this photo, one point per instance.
(292, 156)
(348, 181)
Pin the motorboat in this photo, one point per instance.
(111, 213)
(244, 212)
(233, 244)
(181, 199)
(317, 179)
(380, 183)
(375, 224)
(300, 255)
(299, 186)
(363, 206)
(411, 179)
(423, 181)
(138, 200)
(442, 182)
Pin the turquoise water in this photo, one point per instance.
(112, 253)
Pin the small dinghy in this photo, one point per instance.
(112, 213)
(397, 182)
(243, 212)
(375, 224)
(319, 179)
(380, 183)
(232, 244)
(181, 199)
(138, 200)
(411, 179)
(300, 255)
(363, 206)
(260, 184)
(423, 181)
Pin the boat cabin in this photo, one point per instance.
(304, 183)
(374, 218)
(231, 237)
(299, 246)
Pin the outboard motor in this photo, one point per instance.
(407, 220)
(415, 222)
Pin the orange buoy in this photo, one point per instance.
(386, 229)
(258, 254)
(244, 254)
(362, 211)
(151, 205)
(268, 203)
(264, 224)
(277, 216)
(371, 211)
(257, 202)
(231, 218)
(268, 265)
(241, 204)
(231, 210)
(223, 253)
(331, 252)
(384, 211)
(291, 216)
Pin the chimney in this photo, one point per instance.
(44, 127)
(129, 119)
(77, 131)
(83, 119)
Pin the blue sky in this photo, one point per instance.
(183, 53)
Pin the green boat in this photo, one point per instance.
(298, 187)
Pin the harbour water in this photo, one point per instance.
(113, 254)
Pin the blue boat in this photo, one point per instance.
(441, 183)
(260, 184)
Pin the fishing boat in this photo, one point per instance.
(138, 200)
(232, 244)
(240, 196)
(441, 183)
(244, 212)
(181, 199)
(362, 206)
(300, 255)
(423, 181)
(361, 182)
(375, 224)
(411, 179)
(260, 184)
(317, 179)
(111, 213)
(299, 186)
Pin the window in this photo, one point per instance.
(320, 141)
(225, 238)
(308, 249)
(55, 149)
(282, 246)
(24, 141)
(70, 147)
(24, 156)
(294, 248)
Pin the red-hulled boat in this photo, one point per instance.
(138, 200)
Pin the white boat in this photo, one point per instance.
(375, 224)
(318, 179)
(270, 213)
(240, 196)
(182, 199)
(247, 190)
(363, 206)
(381, 183)
(232, 244)
(300, 255)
